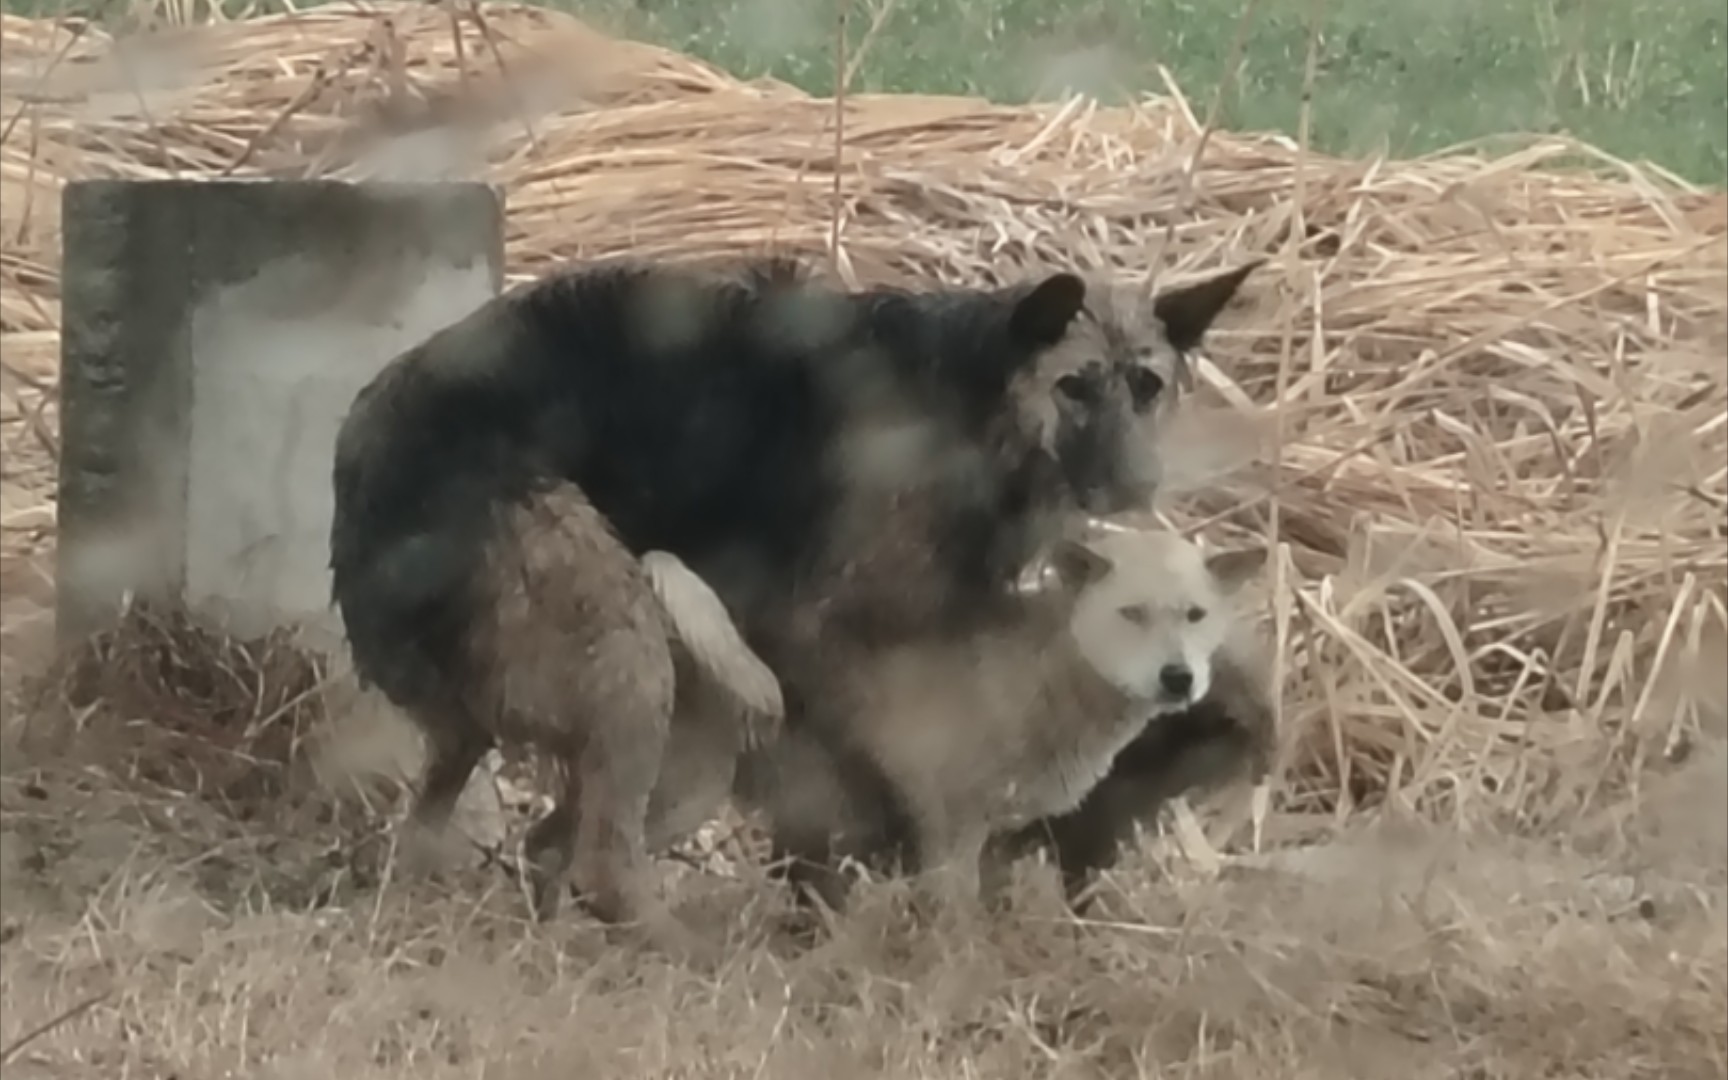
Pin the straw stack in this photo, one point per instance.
(1503, 418)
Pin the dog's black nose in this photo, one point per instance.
(1176, 680)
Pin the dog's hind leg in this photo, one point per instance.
(547, 849)
(610, 857)
(597, 829)
(610, 852)
(454, 746)
(814, 797)
(809, 865)
(699, 764)
(626, 696)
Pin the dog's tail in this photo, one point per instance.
(702, 624)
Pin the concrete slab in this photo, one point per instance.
(215, 334)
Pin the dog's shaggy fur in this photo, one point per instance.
(876, 465)
(580, 649)
(982, 736)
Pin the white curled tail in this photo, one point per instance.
(702, 623)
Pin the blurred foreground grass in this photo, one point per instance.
(1646, 81)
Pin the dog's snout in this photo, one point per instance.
(1176, 680)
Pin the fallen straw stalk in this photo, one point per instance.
(1500, 368)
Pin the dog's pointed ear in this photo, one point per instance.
(1187, 312)
(1076, 564)
(1041, 315)
(1234, 569)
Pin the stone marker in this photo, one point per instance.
(214, 335)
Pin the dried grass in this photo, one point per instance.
(1498, 385)
(184, 707)
(1404, 952)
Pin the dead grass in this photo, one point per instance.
(217, 717)
(214, 947)
(1483, 402)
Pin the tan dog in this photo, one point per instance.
(982, 736)
(1226, 735)
(582, 651)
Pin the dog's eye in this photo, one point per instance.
(1077, 388)
(1138, 614)
(1144, 385)
(1195, 614)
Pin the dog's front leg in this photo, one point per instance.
(949, 876)
(995, 869)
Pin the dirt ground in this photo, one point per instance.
(155, 929)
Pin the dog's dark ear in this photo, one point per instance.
(1187, 312)
(1077, 565)
(1042, 314)
(1234, 569)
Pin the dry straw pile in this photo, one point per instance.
(1501, 391)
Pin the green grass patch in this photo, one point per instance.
(1646, 81)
